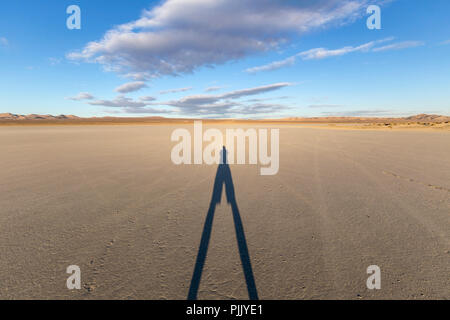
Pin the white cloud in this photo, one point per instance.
(445, 42)
(178, 36)
(212, 89)
(120, 102)
(131, 87)
(322, 53)
(138, 76)
(82, 96)
(400, 45)
(226, 103)
(146, 110)
(324, 106)
(201, 105)
(273, 65)
(147, 98)
(175, 90)
(316, 53)
(204, 99)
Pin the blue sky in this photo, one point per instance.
(246, 59)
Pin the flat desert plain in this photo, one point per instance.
(109, 199)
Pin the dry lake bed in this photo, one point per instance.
(109, 200)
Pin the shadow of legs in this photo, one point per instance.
(223, 176)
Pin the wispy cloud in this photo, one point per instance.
(131, 87)
(446, 42)
(322, 53)
(273, 65)
(324, 106)
(179, 36)
(359, 113)
(120, 102)
(4, 42)
(147, 98)
(128, 105)
(400, 45)
(138, 76)
(212, 89)
(267, 99)
(316, 53)
(175, 90)
(225, 104)
(82, 96)
(146, 110)
(54, 61)
(195, 100)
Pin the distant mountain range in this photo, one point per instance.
(428, 118)
(422, 118)
(11, 116)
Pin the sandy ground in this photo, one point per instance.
(109, 199)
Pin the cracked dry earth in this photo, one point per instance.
(109, 199)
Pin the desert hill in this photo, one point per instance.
(11, 116)
(428, 118)
(420, 118)
(423, 119)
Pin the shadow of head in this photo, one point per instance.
(223, 156)
(223, 178)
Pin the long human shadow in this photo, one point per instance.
(223, 177)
